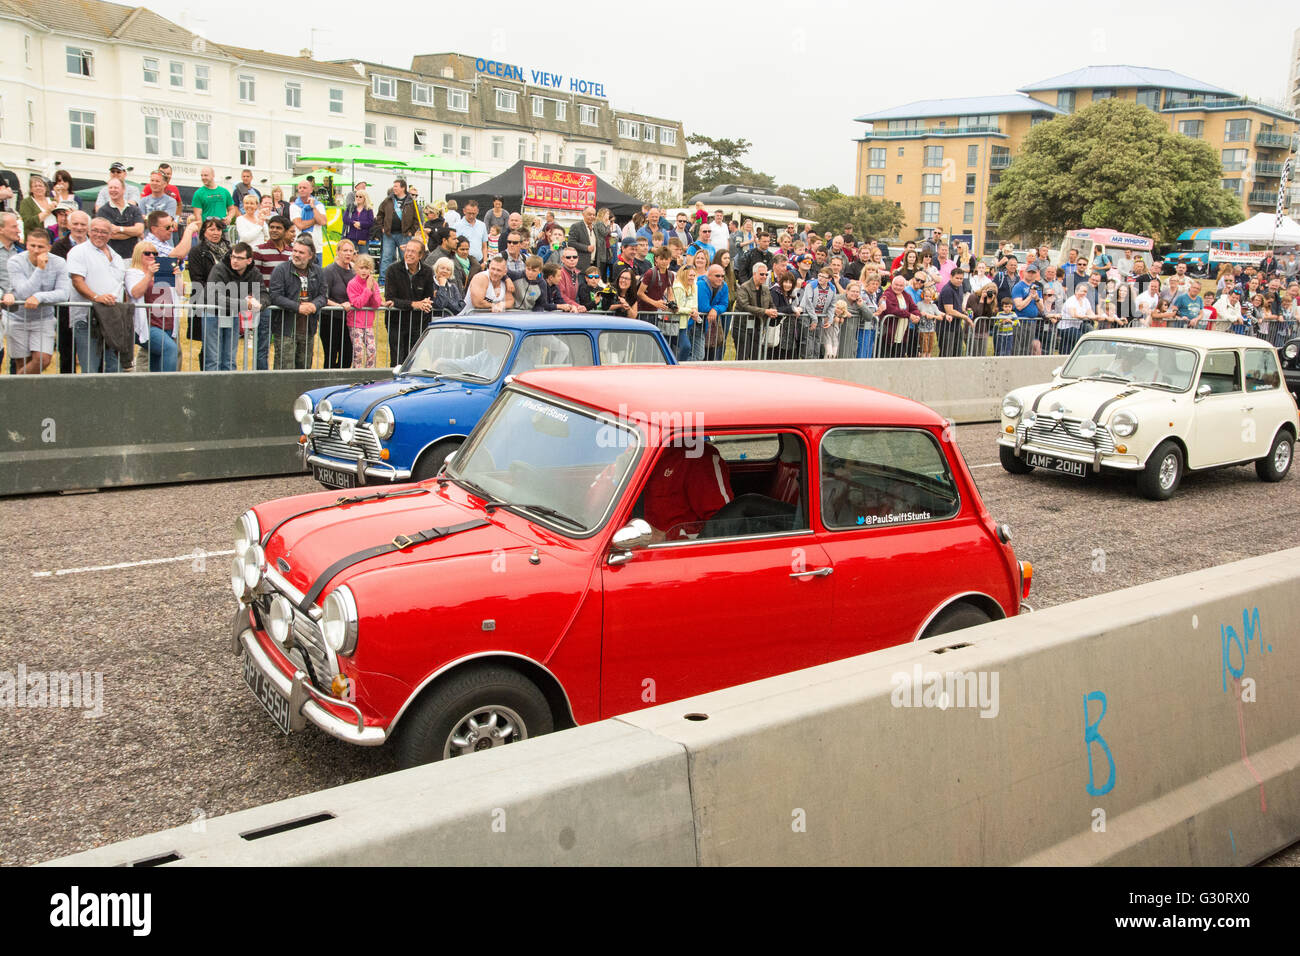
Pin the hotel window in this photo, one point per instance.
(546, 154)
(498, 147)
(898, 180)
(81, 62)
(649, 133)
(178, 138)
(875, 185)
(672, 172)
(876, 158)
(1149, 98)
(622, 164)
(909, 124)
(588, 115)
(151, 70)
(663, 171)
(1233, 186)
(1234, 160)
(972, 155)
(561, 110)
(247, 88)
(539, 106)
(629, 130)
(579, 156)
(900, 151)
(934, 156)
(292, 150)
(929, 212)
(968, 213)
(176, 72)
(293, 95)
(370, 134)
(970, 184)
(449, 144)
(667, 136)
(151, 147)
(31, 121)
(466, 145)
(507, 101)
(336, 144)
(81, 129)
(983, 119)
(202, 134)
(336, 100)
(247, 147)
(1102, 95)
(202, 78)
(603, 157)
(422, 93)
(1192, 128)
(1236, 131)
(420, 140)
(383, 87)
(522, 152)
(390, 137)
(458, 101)
(930, 184)
(1065, 100)
(27, 48)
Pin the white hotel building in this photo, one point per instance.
(85, 84)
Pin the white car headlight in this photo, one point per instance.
(1291, 351)
(254, 567)
(302, 408)
(280, 620)
(339, 620)
(237, 577)
(1087, 428)
(305, 427)
(384, 421)
(324, 410)
(1012, 407)
(1123, 424)
(247, 532)
(347, 432)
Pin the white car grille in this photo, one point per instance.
(1048, 432)
(326, 441)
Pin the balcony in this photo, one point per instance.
(935, 131)
(1273, 140)
(999, 160)
(1259, 197)
(1269, 169)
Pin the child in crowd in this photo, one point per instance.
(927, 328)
(832, 329)
(1004, 327)
(366, 296)
(530, 290)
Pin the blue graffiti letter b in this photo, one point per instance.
(1090, 736)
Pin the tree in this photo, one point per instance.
(1115, 165)
(636, 182)
(869, 217)
(720, 161)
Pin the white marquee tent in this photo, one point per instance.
(1260, 230)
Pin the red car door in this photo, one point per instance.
(690, 616)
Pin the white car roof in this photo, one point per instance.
(1199, 339)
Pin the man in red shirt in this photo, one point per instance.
(169, 189)
(685, 490)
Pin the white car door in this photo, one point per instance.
(1222, 430)
(1267, 400)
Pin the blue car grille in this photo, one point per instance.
(326, 441)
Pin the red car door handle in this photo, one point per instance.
(816, 573)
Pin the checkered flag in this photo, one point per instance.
(1281, 190)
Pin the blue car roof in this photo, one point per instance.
(548, 321)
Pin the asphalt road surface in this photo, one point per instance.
(116, 582)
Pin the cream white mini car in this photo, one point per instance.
(1157, 403)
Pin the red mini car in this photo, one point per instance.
(611, 538)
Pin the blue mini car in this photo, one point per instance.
(403, 429)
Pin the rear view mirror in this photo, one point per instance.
(1202, 390)
(635, 534)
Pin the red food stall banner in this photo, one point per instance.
(558, 189)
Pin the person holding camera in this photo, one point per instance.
(1026, 295)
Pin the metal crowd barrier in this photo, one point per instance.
(274, 339)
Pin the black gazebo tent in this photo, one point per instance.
(510, 187)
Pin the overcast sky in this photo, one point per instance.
(788, 77)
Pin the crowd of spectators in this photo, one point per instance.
(716, 286)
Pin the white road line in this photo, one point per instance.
(990, 465)
(133, 564)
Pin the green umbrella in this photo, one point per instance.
(92, 192)
(365, 155)
(317, 175)
(434, 163)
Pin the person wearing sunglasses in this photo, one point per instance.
(568, 280)
(516, 261)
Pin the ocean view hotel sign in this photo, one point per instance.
(551, 81)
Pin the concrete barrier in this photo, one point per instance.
(64, 432)
(837, 764)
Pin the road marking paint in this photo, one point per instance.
(993, 464)
(132, 564)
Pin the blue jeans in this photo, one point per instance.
(219, 345)
(1066, 339)
(264, 340)
(1003, 342)
(392, 250)
(866, 343)
(705, 353)
(684, 343)
(91, 354)
(164, 354)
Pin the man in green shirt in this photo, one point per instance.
(212, 201)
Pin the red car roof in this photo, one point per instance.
(731, 396)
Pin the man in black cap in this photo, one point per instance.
(130, 192)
